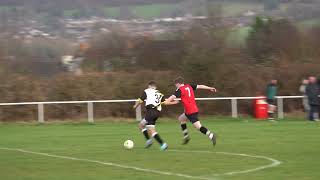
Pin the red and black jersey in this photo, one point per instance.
(186, 93)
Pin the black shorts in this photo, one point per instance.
(193, 118)
(151, 116)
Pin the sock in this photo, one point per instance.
(157, 138)
(184, 130)
(205, 131)
(145, 133)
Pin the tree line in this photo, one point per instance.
(118, 66)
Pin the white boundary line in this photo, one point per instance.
(109, 164)
(273, 164)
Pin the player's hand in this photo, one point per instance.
(212, 89)
(135, 106)
(167, 103)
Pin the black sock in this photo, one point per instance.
(184, 130)
(146, 134)
(156, 136)
(205, 131)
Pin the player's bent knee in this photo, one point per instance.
(154, 133)
(141, 126)
(151, 127)
(143, 123)
(182, 118)
(197, 125)
(183, 122)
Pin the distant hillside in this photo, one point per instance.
(75, 3)
(119, 2)
(119, 9)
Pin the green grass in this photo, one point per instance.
(237, 37)
(237, 9)
(308, 24)
(112, 11)
(153, 10)
(70, 13)
(295, 143)
(143, 11)
(6, 8)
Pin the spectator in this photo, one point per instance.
(313, 91)
(271, 92)
(305, 101)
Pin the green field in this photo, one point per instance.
(152, 11)
(94, 147)
(309, 24)
(230, 9)
(112, 11)
(70, 13)
(238, 36)
(155, 10)
(143, 11)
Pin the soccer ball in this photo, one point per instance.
(128, 144)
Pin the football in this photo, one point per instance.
(128, 144)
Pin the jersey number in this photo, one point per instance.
(189, 92)
(158, 98)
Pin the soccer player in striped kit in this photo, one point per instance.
(191, 111)
(153, 99)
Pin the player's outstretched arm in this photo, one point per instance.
(138, 103)
(170, 103)
(212, 89)
(171, 100)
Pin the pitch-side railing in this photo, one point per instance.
(90, 107)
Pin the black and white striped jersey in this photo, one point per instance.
(153, 98)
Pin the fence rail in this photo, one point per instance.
(90, 105)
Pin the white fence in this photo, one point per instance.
(90, 105)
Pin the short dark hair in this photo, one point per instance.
(179, 80)
(152, 83)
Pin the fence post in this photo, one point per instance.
(234, 108)
(90, 112)
(40, 113)
(138, 113)
(280, 108)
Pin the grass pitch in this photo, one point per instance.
(294, 143)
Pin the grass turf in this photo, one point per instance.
(295, 143)
(153, 10)
(143, 11)
(237, 37)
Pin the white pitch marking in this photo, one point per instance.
(274, 162)
(109, 164)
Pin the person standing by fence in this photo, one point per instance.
(313, 92)
(305, 101)
(271, 93)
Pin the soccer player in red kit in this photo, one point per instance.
(191, 111)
